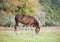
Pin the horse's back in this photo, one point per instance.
(25, 19)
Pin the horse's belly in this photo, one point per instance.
(26, 21)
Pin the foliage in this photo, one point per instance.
(13, 7)
(46, 11)
(5, 18)
(52, 9)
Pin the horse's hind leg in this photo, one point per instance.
(15, 26)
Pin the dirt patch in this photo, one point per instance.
(43, 29)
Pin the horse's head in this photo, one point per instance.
(37, 30)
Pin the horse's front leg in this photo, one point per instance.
(25, 27)
(33, 31)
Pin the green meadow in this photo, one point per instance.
(28, 37)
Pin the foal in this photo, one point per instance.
(27, 20)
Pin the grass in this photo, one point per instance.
(27, 37)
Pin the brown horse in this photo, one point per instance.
(27, 20)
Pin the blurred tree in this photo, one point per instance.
(3, 18)
(9, 8)
(52, 8)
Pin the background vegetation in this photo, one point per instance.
(47, 12)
